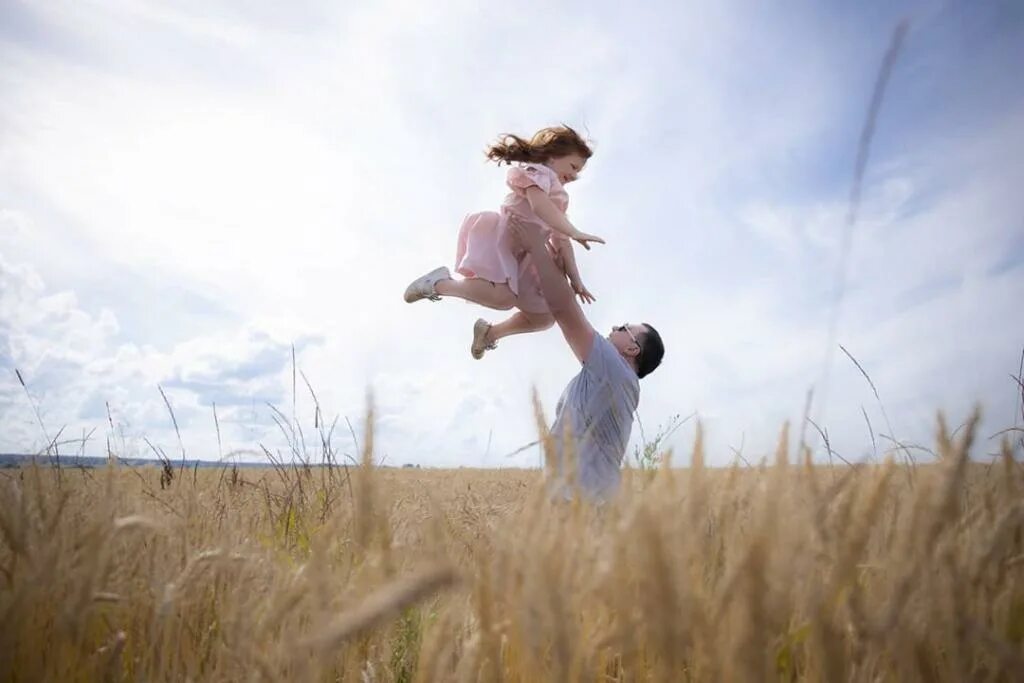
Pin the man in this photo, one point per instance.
(596, 409)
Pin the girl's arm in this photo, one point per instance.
(568, 259)
(549, 213)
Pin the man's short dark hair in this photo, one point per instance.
(651, 351)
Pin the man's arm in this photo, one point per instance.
(561, 300)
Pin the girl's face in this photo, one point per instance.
(567, 168)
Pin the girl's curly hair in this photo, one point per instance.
(547, 143)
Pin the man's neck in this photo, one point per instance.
(631, 362)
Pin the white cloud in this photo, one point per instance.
(77, 370)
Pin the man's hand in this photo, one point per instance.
(529, 235)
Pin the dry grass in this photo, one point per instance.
(784, 572)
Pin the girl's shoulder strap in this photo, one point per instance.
(538, 168)
(524, 175)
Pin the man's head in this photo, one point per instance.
(640, 344)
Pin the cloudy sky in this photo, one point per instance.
(190, 189)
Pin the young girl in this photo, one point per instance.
(498, 274)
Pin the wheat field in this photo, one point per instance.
(786, 571)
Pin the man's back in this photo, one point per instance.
(597, 409)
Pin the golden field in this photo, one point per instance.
(786, 571)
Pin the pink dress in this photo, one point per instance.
(485, 251)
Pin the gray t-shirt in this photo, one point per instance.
(597, 409)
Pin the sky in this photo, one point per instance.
(224, 201)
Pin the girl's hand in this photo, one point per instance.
(583, 293)
(583, 238)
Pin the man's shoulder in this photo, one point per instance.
(601, 351)
(607, 360)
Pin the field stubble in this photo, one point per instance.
(786, 571)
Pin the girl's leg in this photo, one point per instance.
(485, 335)
(483, 292)
(520, 323)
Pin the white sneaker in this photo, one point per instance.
(423, 287)
(480, 329)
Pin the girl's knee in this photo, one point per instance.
(506, 301)
(501, 298)
(542, 321)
